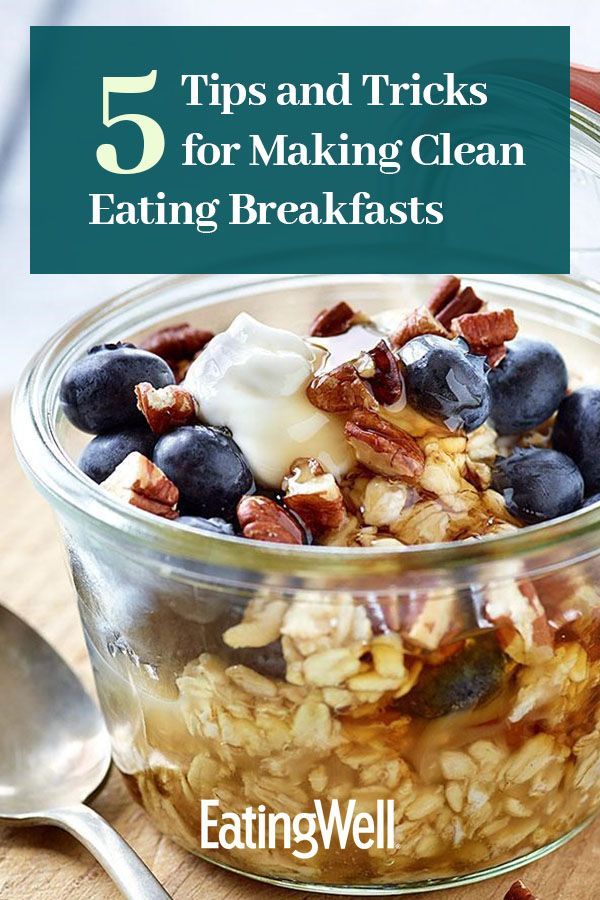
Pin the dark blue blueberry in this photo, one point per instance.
(538, 485)
(527, 386)
(268, 660)
(97, 393)
(470, 677)
(104, 453)
(207, 467)
(577, 433)
(591, 501)
(215, 526)
(446, 382)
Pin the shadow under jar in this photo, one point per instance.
(227, 669)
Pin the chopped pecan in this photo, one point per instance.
(428, 618)
(487, 332)
(138, 482)
(518, 891)
(383, 612)
(419, 321)
(334, 320)
(177, 342)
(495, 355)
(262, 519)
(382, 447)
(465, 302)
(165, 408)
(387, 383)
(179, 367)
(522, 628)
(314, 495)
(446, 290)
(340, 390)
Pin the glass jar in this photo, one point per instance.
(458, 682)
(585, 172)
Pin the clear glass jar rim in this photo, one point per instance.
(585, 119)
(536, 548)
(585, 137)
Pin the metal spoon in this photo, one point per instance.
(55, 752)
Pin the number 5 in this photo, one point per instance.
(152, 133)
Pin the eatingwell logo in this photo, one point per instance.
(304, 833)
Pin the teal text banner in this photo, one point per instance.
(307, 149)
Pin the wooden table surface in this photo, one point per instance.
(41, 863)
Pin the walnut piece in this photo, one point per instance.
(382, 447)
(335, 320)
(165, 408)
(314, 496)
(264, 520)
(419, 321)
(138, 482)
(340, 390)
(383, 501)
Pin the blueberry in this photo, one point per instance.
(527, 386)
(215, 526)
(445, 381)
(207, 467)
(104, 453)
(538, 485)
(591, 501)
(268, 660)
(577, 433)
(97, 393)
(470, 677)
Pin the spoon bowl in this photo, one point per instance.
(55, 752)
(54, 746)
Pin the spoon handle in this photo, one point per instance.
(120, 861)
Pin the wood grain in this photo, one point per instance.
(45, 864)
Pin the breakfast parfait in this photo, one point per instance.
(476, 709)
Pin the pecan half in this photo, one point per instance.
(382, 447)
(420, 321)
(177, 342)
(314, 495)
(334, 320)
(446, 290)
(518, 891)
(387, 383)
(165, 408)
(262, 519)
(487, 332)
(138, 482)
(340, 390)
(465, 302)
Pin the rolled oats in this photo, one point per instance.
(457, 765)
(330, 668)
(459, 801)
(261, 624)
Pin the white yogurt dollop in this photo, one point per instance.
(252, 378)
